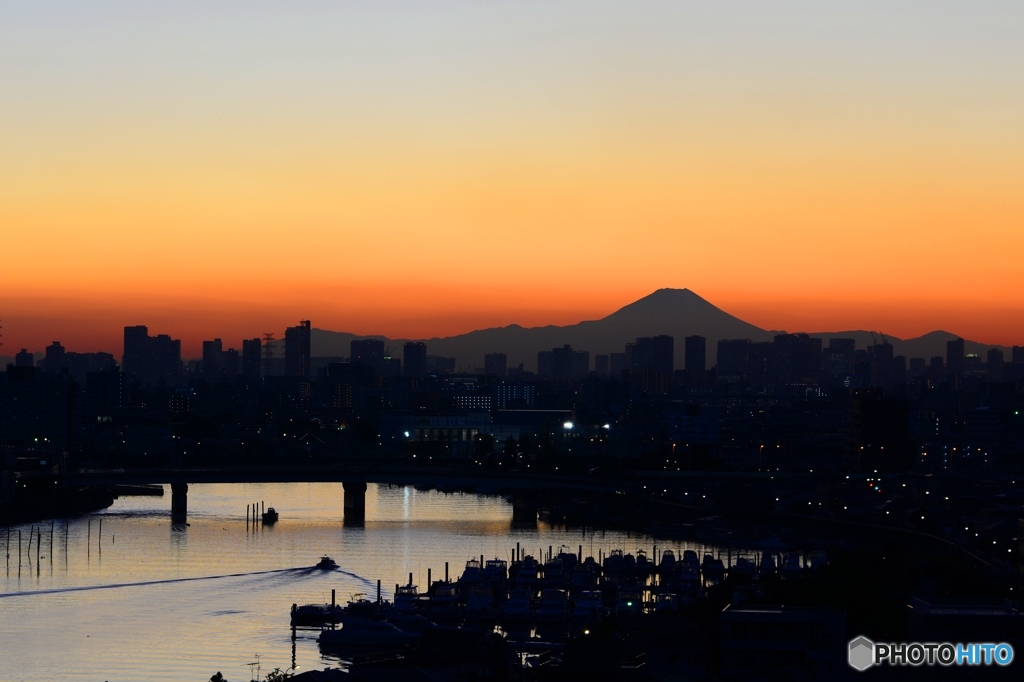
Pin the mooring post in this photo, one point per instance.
(378, 591)
(428, 580)
(179, 501)
(446, 571)
(354, 503)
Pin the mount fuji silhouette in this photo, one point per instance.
(676, 312)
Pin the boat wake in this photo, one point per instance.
(313, 571)
(295, 572)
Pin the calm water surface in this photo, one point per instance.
(145, 599)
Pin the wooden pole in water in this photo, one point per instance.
(19, 551)
(446, 571)
(332, 603)
(39, 541)
(51, 542)
(31, 532)
(88, 538)
(428, 578)
(378, 592)
(99, 537)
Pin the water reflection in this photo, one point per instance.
(179, 601)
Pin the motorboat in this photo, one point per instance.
(666, 603)
(363, 632)
(479, 602)
(667, 563)
(496, 570)
(518, 607)
(589, 606)
(326, 563)
(554, 606)
(270, 516)
(629, 602)
(406, 597)
(712, 569)
(743, 566)
(316, 614)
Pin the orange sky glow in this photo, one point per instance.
(419, 177)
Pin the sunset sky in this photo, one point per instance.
(420, 169)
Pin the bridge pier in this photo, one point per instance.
(524, 509)
(355, 503)
(179, 501)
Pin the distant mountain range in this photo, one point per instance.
(676, 312)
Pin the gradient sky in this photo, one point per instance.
(419, 169)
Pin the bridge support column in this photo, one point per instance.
(524, 509)
(355, 503)
(179, 501)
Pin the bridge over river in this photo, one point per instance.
(524, 488)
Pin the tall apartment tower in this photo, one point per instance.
(297, 350)
(213, 359)
(955, 357)
(696, 354)
(251, 356)
(415, 359)
(496, 363)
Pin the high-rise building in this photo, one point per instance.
(601, 365)
(56, 358)
(838, 363)
(136, 351)
(580, 363)
(24, 359)
(641, 353)
(759, 359)
(1018, 355)
(415, 358)
(995, 364)
(251, 358)
(955, 357)
(561, 362)
(367, 351)
(796, 359)
(696, 354)
(663, 354)
(495, 363)
(213, 359)
(732, 359)
(545, 364)
(232, 363)
(618, 362)
(297, 356)
(151, 359)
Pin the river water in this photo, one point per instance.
(135, 597)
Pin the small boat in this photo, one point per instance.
(366, 633)
(326, 563)
(316, 614)
(270, 516)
